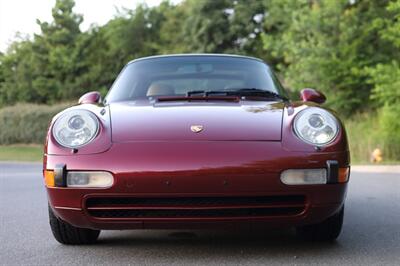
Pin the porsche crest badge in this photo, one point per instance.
(196, 128)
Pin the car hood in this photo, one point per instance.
(172, 121)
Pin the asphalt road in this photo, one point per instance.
(371, 233)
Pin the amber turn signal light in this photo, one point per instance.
(49, 178)
(343, 174)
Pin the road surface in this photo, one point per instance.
(371, 233)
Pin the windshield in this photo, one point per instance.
(183, 75)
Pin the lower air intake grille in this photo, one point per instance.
(196, 207)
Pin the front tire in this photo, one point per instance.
(327, 230)
(69, 234)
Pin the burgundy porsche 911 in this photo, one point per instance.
(196, 141)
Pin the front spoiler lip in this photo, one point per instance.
(311, 215)
(160, 222)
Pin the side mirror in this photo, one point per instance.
(311, 95)
(92, 97)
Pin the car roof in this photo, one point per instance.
(196, 55)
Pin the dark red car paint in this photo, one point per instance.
(170, 121)
(152, 153)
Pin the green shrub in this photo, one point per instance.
(390, 126)
(371, 130)
(363, 135)
(26, 123)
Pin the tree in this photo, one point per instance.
(385, 78)
(17, 67)
(225, 26)
(327, 45)
(103, 51)
(56, 53)
(347, 49)
(45, 69)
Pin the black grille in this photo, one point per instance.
(196, 201)
(187, 207)
(254, 212)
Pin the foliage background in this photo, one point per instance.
(348, 49)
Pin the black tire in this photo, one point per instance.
(69, 234)
(327, 230)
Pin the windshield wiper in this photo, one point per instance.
(208, 93)
(195, 92)
(200, 97)
(220, 95)
(256, 92)
(247, 92)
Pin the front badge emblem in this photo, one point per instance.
(196, 128)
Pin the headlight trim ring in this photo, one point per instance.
(330, 120)
(65, 117)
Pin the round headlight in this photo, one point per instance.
(75, 128)
(316, 126)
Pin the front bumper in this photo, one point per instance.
(162, 171)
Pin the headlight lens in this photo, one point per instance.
(316, 126)
(75, 128)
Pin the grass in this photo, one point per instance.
(365, 135)
(20, 152)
